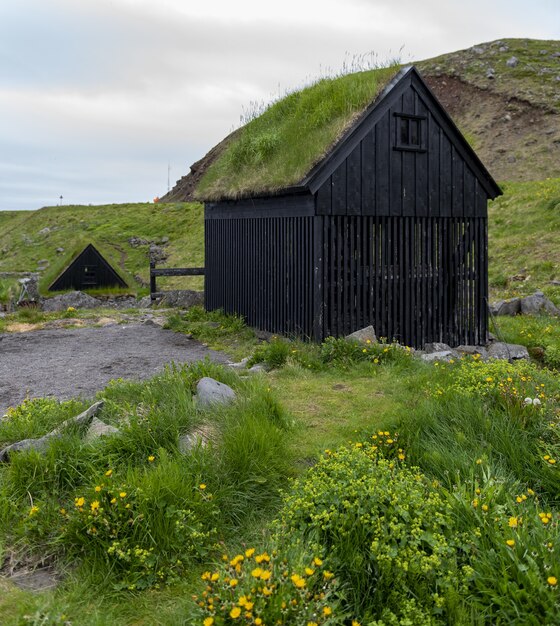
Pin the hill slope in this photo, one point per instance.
(524, 224)
(503, 95)
(124, 231)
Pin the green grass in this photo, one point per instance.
(278, 148)
(526, 80)
(111, 226)
(523, 227)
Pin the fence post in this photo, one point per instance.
(152, 280)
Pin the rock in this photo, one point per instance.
(59, 250)
(45, 231)
(507, 307)
(164, 239)
(241, 365)
(538, 303)
(436, 346)
(98, 429)
(200, 437)
(183, 298)
(157, 254)
(76, 299)
(472, 350)
(364, 335)
(478, 49)
(490, 74)
(443, 355)
(144, 302)
(135, 242)
(258, 368)
(40, 444)
(507, 351)
(158, 322)
(210, 391)
(503, 48)
(512, 62)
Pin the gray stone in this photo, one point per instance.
(98, 429)
(241, 365)
(164, 239)
(258, 368)
(40, 444)
(509, 307)
(436, 346)
(507, 351)
(158, 322)
(76, 299)
(538, 303)
(512, 62)
(210, 391)
(183, 299)
(59, 250)
(144, 302)
(472, 350)
(364, 335)
(478, 49)
(490, 73)
(45, 231)
(200, 437)
(443, 355)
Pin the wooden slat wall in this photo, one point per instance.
(415, 279)
(262, 269)
(377, 179)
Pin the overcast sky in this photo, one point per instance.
(98, 97)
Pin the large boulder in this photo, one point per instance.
(76, 299)
(466, 350)
(443, 355)
(211, 392)
(40, 444)
(365, 335)
(507, 351)
(506, 307)
(183, 299)
(98, 429)
(538, 303)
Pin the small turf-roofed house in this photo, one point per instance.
(87, 270)
(356, 201)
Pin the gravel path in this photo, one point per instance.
(79, 362)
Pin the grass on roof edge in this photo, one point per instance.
(277, 149)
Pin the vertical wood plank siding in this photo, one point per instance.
(263, 269)
(414, 279)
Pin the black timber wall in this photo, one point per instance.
(89, 270)
(259, 262)
(370, 176)
(415, 279)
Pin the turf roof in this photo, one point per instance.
(277, 149)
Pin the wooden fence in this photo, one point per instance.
(169, 271)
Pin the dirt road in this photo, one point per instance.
(79, 362)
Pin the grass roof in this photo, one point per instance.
(277, 149)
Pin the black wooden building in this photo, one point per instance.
(88, 270)
(388, 229)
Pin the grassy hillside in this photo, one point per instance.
(117, 229)
(524, 251)
(524, 247)
(515, 125)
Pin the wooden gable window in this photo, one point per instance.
(410, 132)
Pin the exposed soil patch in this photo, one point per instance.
(514, 138)
(78, 362)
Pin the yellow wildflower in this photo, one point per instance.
(552, 581)
(97, 489)
(108, 472)
(235, 612)
(233, 582)
(249, 553)
(214, 576)
(510, 543)
(34, 509)
(94, 505)
(328, 575)
(256, 573)
(309, 571)
(202, 486)
(151, 458)
(208, 621)
(317, 561)
(327, 611)
(80, 502)
(122, 494)
(513, 521)
(298, 581)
